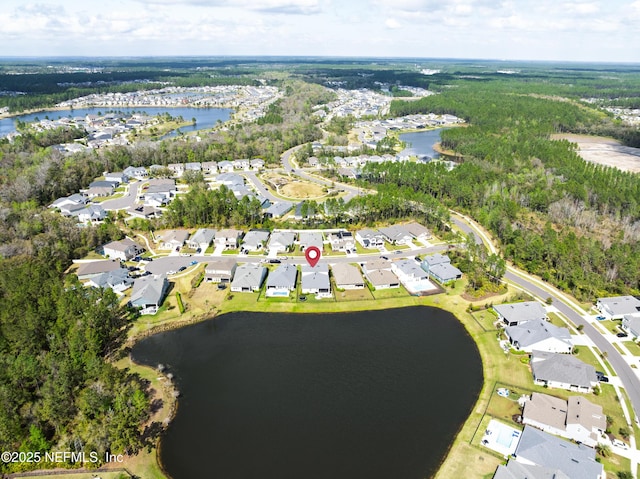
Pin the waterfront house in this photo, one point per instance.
(541, 336)
(378, 272)
(347, 276)
(282, 280)
(220, 270)
(577, 418)
(148, 293)
(315, 280)
(248, 278)
(512, 314)
(440, 268)
(562, 371)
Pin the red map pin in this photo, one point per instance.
(313, 255)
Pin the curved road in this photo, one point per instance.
(126, 201)
(627, 376)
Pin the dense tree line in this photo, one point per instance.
(56, 390)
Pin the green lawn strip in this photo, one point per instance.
(353, 295)
(619, 349)
(556, 320)
(599, 327)
(585, 355)
(361, 250)
(633, 347)
(389, 293)
(230, 251)
(486, 319)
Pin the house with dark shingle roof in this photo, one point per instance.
(91, 269)
(512, 314)
(575, 460)
(562, 371)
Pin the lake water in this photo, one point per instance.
(205, 117)
(421, 142)
(375, 394)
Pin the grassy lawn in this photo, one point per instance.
(586, 355)
(486, 319)
(389, 293)
(556, 320)
(354, 295)
(361, 250)
(633, 347)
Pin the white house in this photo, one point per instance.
(562, 371)
(541, 336)
(248, 278)
(220, 270)
(619, 306)
(512, 314)
(124, 249)
(281, 241)
(315, 280)
(282, 281)
(370, 238)
(342, 241)
(229, 238)
(201, 239)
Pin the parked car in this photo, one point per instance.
(619, 443)
(622, 335)
(302, 299)
(603, 379)
(275, 261)
(383, 257)
(193, 262)
(221, 286)
(601, 318)
(182, 268)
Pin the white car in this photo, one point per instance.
(619, 443)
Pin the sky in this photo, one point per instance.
(557, 30)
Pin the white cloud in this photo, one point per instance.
(392, 23)
(296, 7)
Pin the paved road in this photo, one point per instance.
(629, 379)
(129, 199)
(253, 178)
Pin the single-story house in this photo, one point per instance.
(104, 184)
(173, 239)
(255, 240)
(396, 234)
(124, 249)
(562, 371)
(90, 214)
(541, 336)
(282, 280)
(439, 268)
(419, 232)
(248, 277)
(242, 164)
(148, 293)
(137, 172)
(315, 280)
(342, 241)
(201, 239)
(117, 177)
(220, 270)
(515, 470)
(310, 238)
(577, 419)
(512, 314)
(278, 209)
(539, 448)
(619, 306)
(100, 191)
(347, 276)
(257, 163)
(369, 238)
(156, 200)
(161, 186)
(281, 241)
(230, 179)
(225, 166)
(631, 324)
(73, 200)
(144, 211)
(209, 167)
(193, 166)
(229, 238)
(176, 168)
(118, 280)
(378, 272)
(92, 269)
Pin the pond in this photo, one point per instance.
(420, 143)
(374, 394)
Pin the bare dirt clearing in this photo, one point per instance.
(605, 151)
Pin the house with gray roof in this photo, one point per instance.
(282, 280)
(117, 177)
(256, 163)
(515, 470)
(165, 187)
(89, 214)
(412, 276)
(369, 238)
(281, 241)
(255, 240)
(439, 267)
(75, 199)
(148, 293)
(220, 270)
(230, 179)
(543, 449)
(137, 172)
(229, 238)
(631, 324)
(577, 418)
(209, 167)
(91, 269)
(118, 280)
(396, 234)
(225, 166)
(278, 209)
(173, 239)
(315, 280)
(347, 276)
(123, 250)
(562, 371)
(512, 314)
(541, 336)
(248, 278)
(619, 306)
(310, 238)
(201, 239)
